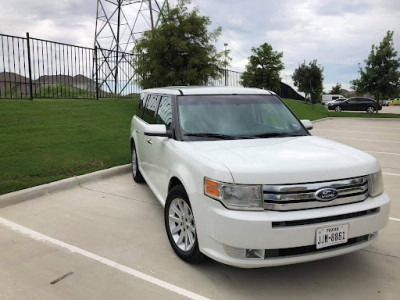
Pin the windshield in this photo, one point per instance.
(236, 116)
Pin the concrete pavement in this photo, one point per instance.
(117, 229)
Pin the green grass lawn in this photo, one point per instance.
(46, 140)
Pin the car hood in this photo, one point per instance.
(286, 160)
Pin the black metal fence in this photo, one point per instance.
(35, 68)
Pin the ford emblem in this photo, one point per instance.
(326, 194)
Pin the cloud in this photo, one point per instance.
(69, 21)
(341, 7)
(339, 33)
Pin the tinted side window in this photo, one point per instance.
(150, 108)
(164, 113)
(141, 104)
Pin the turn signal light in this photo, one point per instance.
(211, 188)
(212, 191)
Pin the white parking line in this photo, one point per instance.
(394, 219)
(364, 132)
(361, 126)
(380, 141)
(388, 153)
(391, 174)
(41, 237)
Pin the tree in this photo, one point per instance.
(336, 89)
(179, 51)
(263, 68)
(309, 78)
(381, 76)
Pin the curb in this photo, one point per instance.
(323, 119)
(357, 118)
(61, 185)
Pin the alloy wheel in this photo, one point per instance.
(181, 224)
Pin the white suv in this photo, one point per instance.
(243, 181)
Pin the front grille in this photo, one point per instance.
(302, 196)
(285, 252)
(353, 215)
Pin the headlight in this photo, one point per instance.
(375, 184)
(235, 196)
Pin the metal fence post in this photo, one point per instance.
(29, 65)
(96, 72)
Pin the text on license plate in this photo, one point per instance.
(330, 236)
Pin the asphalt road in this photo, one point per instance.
(106, 240)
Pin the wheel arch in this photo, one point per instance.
(174, 181)
(132, 142)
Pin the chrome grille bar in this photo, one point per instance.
(314, 186)
(302, 196)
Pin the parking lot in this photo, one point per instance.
(106, 240)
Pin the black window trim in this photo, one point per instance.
(174, 111)
(158, 107)
(149, 96)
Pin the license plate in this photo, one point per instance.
(330, 236)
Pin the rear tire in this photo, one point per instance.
(338, 108)
(137, 176)
(181, 227)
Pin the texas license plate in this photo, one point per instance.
(330, 236)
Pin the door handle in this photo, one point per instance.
(137, 131)
(149, 141)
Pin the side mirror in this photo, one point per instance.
(307, 124)
(157, 130)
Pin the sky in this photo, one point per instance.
(338, 33)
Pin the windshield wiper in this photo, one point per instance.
(220, 136)
(212, 135)
(277, 134)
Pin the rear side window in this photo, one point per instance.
(164, 113)
(141, 104)
(150, 108)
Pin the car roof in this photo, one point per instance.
(206, 90)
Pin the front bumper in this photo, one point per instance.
(224, 234)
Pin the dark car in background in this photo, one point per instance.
(356, 104)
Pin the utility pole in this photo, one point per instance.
(117, 48)
(119, 23)
(151, 15)
(226, 65)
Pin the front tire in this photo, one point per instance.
(137, 176)
(181, 227)
(371, 110)
(338, 108)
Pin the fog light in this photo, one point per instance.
(255, 253)
(235, 252)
